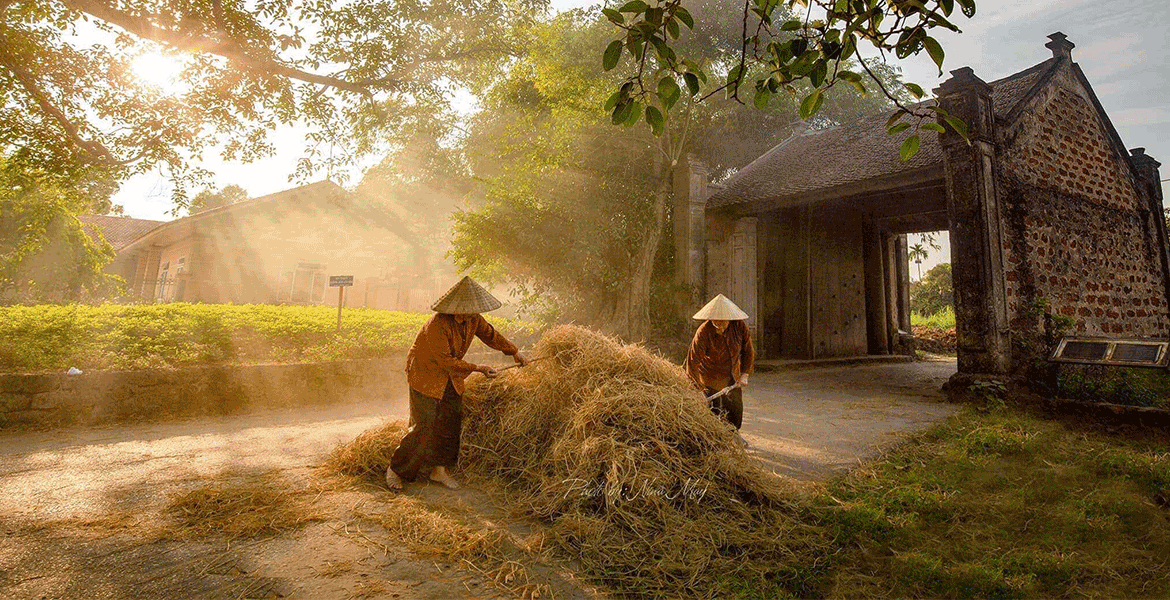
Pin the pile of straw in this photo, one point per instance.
(368, 455)
(616, 451)
(619, 453)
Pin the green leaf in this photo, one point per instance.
(935, 50)
(614, 16)
(692, 81)
(968, 8)
(915, 90)
(897, 128)
(733, 74)
(933, 127)
(636, 48)
(818, 74)
(665, 52)
(634, 115)
(894, 118)
(958, 125)
(634, 6)
(910, 147)
(681, 14)
(668, 92)
(762, 96)
(655, 119)
(672, 29)
(792, 25)
(613, 53)
(620, 112)
(854, 80)
(812, 103)
(612, 101)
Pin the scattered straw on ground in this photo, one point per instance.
(616, 451)
(260, 505)
(368, 455)
(486, 551)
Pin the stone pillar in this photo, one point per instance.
(134, 287)
(689, 220)
(890, 257)
(875, 292)
(150, 258)
(902, 260)
(1147, 169)
(975, 227)
(1060, 46)
(742, 256)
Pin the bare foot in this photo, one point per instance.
(393, 481)
(440, 475)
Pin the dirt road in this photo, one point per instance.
(80, 509)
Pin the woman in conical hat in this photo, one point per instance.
(436, 371)
(722, 355)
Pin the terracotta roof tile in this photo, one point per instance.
(118, 231)
(850, 153)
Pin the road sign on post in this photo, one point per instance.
(340, 282)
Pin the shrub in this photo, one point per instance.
(112, 336)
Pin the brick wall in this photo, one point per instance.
(1063, 147)
(1076, 232)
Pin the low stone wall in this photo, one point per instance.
(113, 396)
(110, 396)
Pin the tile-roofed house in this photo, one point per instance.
(118, 231)
(277, 248)
(1044, 206)
(852, 152)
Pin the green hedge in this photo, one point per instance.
(120, 337)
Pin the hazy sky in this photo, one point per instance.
(1121, 46)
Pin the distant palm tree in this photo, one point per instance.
(918, 254)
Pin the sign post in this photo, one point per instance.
(340, 282)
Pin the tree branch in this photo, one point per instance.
(93, 148)
(143, 28)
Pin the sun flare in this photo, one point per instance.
(158, 70)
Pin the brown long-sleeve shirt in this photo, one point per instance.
(437, 354)
(715, 359)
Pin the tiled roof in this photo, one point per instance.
(118, 231)
(851, 153)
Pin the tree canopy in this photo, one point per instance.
(933, 292)
(573, 213)
(351, 73)
(45, 252)
(209, 199)
(782, 44)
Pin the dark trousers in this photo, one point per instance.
(433, 439)
(729, 405)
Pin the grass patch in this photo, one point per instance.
(1004, 504)
(944, 319)
(1131, 387)
(121, 337)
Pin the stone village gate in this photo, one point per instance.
(1044, 204)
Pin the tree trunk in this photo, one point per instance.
(637, 326)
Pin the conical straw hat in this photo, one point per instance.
(720, 308)
(464, 298)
